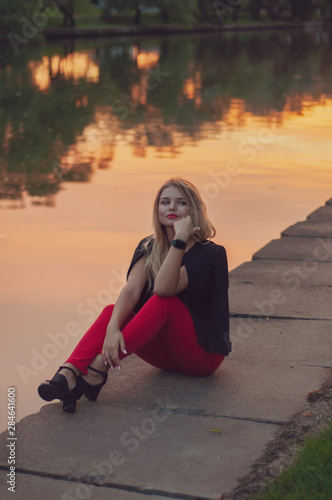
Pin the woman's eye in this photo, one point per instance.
(167, 203)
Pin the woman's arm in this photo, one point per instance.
(171, 278)
(124, 305)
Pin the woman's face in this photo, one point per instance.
(172, 206)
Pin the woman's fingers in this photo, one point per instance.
(112, 356)
(183, 227)
(108, 353)
(107, 358)
(115, 360)
(123, 346)
(111, 348)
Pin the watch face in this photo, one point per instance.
(179, 244)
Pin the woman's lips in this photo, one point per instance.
(172, 216)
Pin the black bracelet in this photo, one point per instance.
(180, 244)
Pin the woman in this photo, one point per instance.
(172, 311)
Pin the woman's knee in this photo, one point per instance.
(158, 298)
(167, 301)
(108, 310)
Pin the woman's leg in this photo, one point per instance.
(162, 333)
(86, 354)
(92, 342)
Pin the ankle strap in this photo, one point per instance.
(68, 368)
(97, 371)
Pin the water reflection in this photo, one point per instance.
(64, 114)
(72, 68)
(127, 115)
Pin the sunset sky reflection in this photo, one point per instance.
(78, 178)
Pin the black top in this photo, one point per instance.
(206, 296)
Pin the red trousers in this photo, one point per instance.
(162, 333)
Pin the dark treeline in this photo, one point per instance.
(186, 12)
(216, 11)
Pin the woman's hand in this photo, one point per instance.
(184, 229)
(113, 342)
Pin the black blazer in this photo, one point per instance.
(206, 295)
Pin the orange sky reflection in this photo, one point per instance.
(55, 259)
(74, 66)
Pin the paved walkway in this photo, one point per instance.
(155, 435)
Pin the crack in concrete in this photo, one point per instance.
(282, 259)
(203, 413)
(317, 366)
(302, 236)
(295, 318)
(117, 486)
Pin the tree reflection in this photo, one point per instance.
(63, 112)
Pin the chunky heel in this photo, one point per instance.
(90, 391)
(57, 388)
(69, 402)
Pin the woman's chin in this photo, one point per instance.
(168, 223)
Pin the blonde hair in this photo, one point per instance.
(156, 248)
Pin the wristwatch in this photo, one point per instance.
(180, 244)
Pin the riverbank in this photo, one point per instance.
(158, 435)
(111, 30)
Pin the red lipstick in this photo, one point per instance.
(172, 216)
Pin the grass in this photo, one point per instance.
(310, 476)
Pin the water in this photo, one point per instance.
(89, 130)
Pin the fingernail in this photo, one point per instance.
(112, 367)
(124, 350)
(105, 363)
(119, 367)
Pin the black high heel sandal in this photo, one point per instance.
(57, 388)
(69, 402)
(91, 392)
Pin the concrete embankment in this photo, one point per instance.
(115, 31)
(159, 435)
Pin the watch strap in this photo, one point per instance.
(180, 244)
